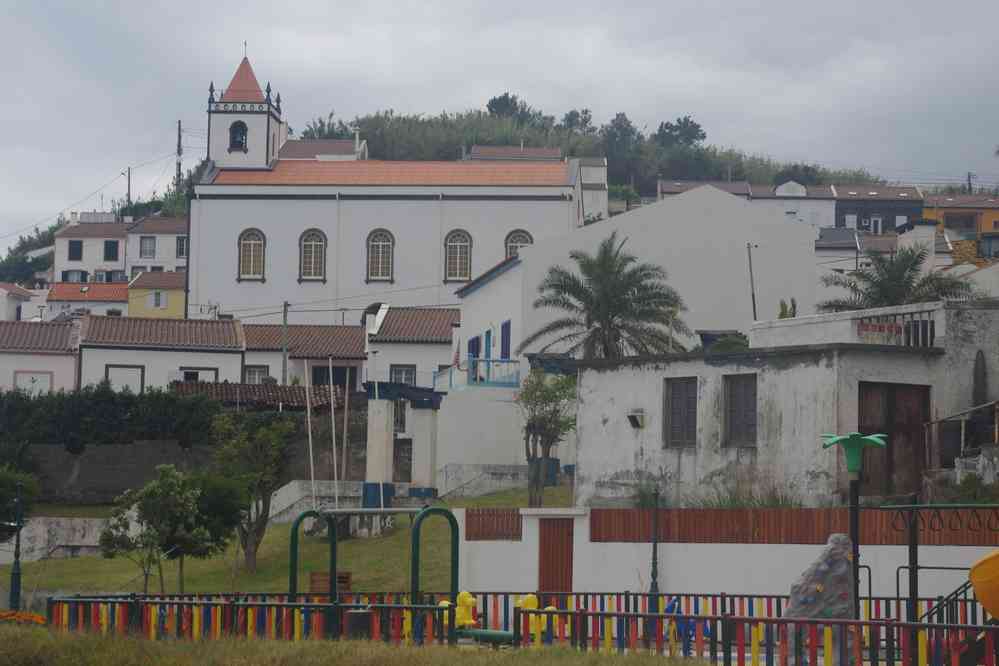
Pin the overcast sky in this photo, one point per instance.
(87, 89)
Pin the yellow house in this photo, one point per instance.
(157, 294)
(967, 218)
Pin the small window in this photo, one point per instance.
(680, 412)
(457, 256)
(180, 269)
(113, 313)
(157, 299)
(76, 250)
(505, 340)
(110, 250)
(191, 375)
(138, 269)
(312, 257)
(399, 416)
(251, 255)
(100, 276)
(74, 276)
(182, 247)
(740, 410)
(516, 240)
(256, 374)
(402, 374)
(237, 137)
(147, 247)
(119, 276)
(155, 269)
(200, 374)
(381, 246)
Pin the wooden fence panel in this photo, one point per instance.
(950, 527)
(492, 525)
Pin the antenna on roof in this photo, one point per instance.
(244, 48)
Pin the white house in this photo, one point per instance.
(410, 345)
(346, 233)
(752, 421)
(142, 353)
(90, 252)
(312, 350)
(67, 299)
(156, 244)
(37, 356)
(13, 302)
(703, 238)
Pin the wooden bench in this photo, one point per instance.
(319, 582)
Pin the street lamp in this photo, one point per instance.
(853, 446)
(15, 570)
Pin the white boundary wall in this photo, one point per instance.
(688, 567)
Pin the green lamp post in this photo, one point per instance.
(853, 446)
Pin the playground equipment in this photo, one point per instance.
(984, 578)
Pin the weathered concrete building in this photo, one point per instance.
(751, 422)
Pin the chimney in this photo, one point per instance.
(74, 218)
(357, 141)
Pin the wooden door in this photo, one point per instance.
(899, 411)
(555, 556)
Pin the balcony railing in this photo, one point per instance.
(479, 372)
(911, 329)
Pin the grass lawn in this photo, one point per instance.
(24, 646)
(376, 564)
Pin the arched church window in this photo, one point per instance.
(380, 249)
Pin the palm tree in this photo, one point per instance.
(895, 279)
(614, 306)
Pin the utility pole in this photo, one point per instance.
(284, 343)
(971, 177)
(128, 196)
(180, 152)
(15, 570)
(752, 283)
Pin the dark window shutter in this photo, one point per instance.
(505, 340)
(64, 276)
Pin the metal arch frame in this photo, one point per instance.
(414, 575)
(293, 554)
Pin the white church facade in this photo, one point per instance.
(333, 233)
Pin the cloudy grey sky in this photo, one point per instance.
(907, 89)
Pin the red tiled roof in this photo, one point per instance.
(181, 334)
(159, 225)
(15, 290)
(261, 395)
(515, 153)
(89, 292)
(877, 193)
(377, 172)
(94, 230)
(308, 341)
(159, 280)
(43, 337)
(244, 86)
(962, 201)
(418, 325)
(307, 149)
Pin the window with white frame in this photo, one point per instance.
(457, 256)
(181, 247)
(256, 374)
(147, 247)
(138, 269)
(402, 374)
(516, 240)
(380, 249)
(313, 256)
(251, 255)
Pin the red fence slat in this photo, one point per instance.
(492, 525)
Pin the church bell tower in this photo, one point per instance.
(245, 129)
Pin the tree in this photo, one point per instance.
(622, 142)
(505, 105)
(173, 516)
(788, 311)
(579, 121)
(254, 449)
(728, 344)
(327, 128)
(684, 132)
(803, 174)
(548, 405)
(614, 306)
(895, 279)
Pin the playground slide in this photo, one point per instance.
(984, 577)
